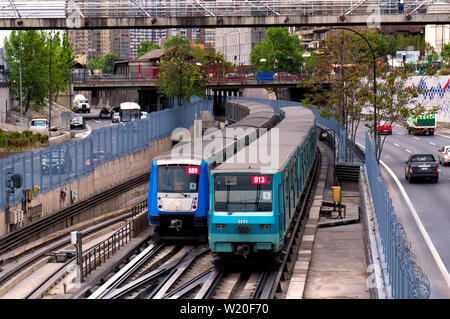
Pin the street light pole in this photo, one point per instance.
(374, 88)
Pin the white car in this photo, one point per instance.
(116, 117)
(444, 155)
(144, 115)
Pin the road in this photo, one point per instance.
(430, 213)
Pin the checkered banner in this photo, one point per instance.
(436, 92)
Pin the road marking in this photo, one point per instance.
(422, 230)
(424, 233)
(396, 145)
(446, 136)
(408, 151)
(416, 138)
(434, 144)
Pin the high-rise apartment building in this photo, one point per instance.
(236, 44)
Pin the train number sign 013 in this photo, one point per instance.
(259, 179)
(192, 170)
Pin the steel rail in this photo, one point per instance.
(12, 240)
(188, 286)
(162, 270)
(65, 240)
(126, 271)
(164, 287)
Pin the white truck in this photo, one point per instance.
(39, 124)
(81, 104)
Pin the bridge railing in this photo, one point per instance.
(214, 75)
(192, 8)
(57, 165)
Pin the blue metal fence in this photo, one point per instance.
(406, 280)
(54, 166)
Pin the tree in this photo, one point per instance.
(280, 51)
(446, 53)
(174, 41)
(395, 102)
(338, 82)
(63, 61)
(27, 50)
(31, 50)
(146, 46)
(180, 76)
(106, 63)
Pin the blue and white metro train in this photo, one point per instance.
(251, 205)
(178, 196)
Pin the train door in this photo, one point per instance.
(281, 209)
(286, 199)
(292, 192)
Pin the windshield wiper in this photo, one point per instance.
(228, 200)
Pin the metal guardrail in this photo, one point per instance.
(405, 280)
(98, 254)
(23, 9)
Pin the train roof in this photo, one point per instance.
(291, 133)
(129, 106)
(222, 139)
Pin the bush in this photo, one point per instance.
(15, 135)
(44, 138)
(2, 140)
(27, 133)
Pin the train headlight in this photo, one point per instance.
(264, 227)
(194, 203)
(220, 226)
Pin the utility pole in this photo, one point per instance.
(20, 75)
(50, 92)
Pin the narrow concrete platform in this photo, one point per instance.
(331, 262)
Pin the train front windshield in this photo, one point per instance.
(243, 193)
(178, 179)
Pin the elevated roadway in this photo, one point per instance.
(95, 14)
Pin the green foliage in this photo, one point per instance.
(180, 76)
(106, 63)
(176, 40)
(146, 46)
(14, 141)
(281, 46)
(446, 54)
(32, 50)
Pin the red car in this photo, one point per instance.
(98, 158)
(384, 128)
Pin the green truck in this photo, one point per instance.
(421, 124)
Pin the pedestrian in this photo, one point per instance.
(401, 4)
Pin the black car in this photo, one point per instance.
(420, 166)
(56, 162)
(78, 122)
(104, 113)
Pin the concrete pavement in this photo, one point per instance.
(331, 262)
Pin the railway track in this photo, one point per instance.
(11, 270)
(30, 231)
(165, 271)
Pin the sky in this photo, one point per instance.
(3, 34)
